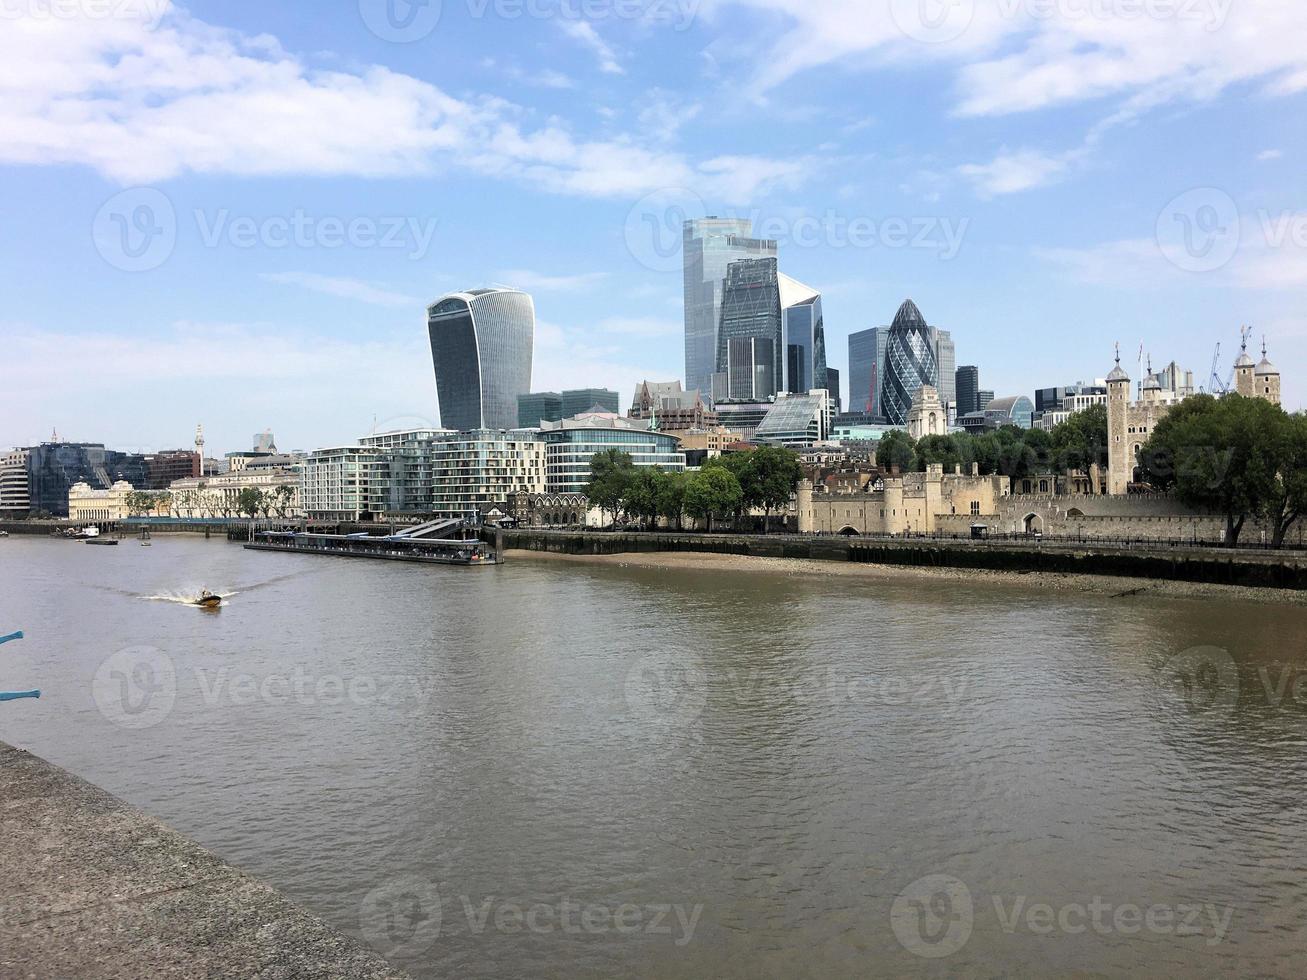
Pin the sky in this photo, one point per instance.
(234, 213)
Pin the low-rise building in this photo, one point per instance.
(571, 444)
(914, 503)
(209, 497)
(669, 408)
(91, 505)
(797, 421)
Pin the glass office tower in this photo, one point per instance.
(910, 362)
(481, 342)
(710, 245)
(867, 369)
(967, 384)
(804, 337)
(946, 361)
(749, 341)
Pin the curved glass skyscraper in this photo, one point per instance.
(481, 342)
(910, 362)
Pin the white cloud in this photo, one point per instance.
(143, 103)
(527, 280)
(641, 326)
(1266, 155)
(1010, 172)
(342, 287)
(584, 32)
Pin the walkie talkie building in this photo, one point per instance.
(481, 342)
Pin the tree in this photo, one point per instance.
(938, 450)
(1287, 501)
(1217, 454)
(249, 502)
(738, 465)
(164, 502)
(671, 497)
(642, 493)
(1081, 440)
(283, 496)
(896, 450)
(712, 491)
(611, 472)
(770, 477)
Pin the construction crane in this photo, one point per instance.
(1214, 380)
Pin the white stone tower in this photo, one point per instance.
(1244, 372)
(1267, 379)
(1120, 462)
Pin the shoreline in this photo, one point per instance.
(1111, 586)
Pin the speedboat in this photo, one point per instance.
(208, 600)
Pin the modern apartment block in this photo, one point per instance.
(346, 483)
(15, 500)
(474, 472)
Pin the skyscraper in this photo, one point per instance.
(481, 343)
(710, 245)
(803, 337)
(967, 384)
(749, 340)
(582, 400)
(947, 359)
(867, 369)
(911, 360)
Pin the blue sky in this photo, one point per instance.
(233, 213)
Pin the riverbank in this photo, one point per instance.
(1127, 589)
(94, 889)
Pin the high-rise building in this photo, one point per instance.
(53, 468)
(833, 386)
(911, 360)
(749, 341)
(803, 334)
(867, 370)
(15, 501)
(983, 398)
(481, 343)
(589, 400)
(710, 245)
(967, 387)
(537, 407)
(947, 359)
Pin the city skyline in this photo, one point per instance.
(291, 268)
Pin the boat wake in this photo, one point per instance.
(185, 598)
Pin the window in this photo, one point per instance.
(975, 508)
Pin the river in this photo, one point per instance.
(556, 769)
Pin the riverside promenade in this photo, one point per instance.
(91, 888)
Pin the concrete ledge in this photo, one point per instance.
(94, 889)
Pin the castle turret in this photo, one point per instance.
(1119, 464)
(1266, 379)
(1245, 382)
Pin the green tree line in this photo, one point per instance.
(1075, 444)
(726, 487)
(1243, 458)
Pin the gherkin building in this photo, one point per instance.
(910, 362)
